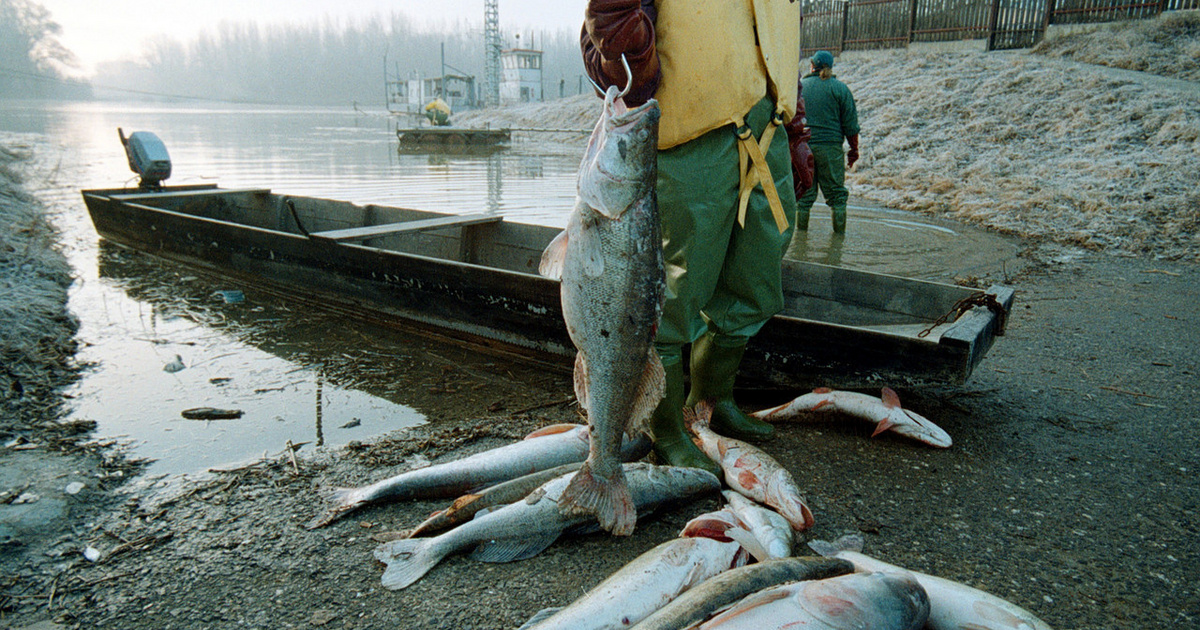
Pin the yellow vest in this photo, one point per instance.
(713, 72)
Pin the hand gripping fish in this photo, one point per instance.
(545, 448)
(523, 529)
(885, 412)
(610, 263)
(749, 470)
(858, 601)
(952, 606)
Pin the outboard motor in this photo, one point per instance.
(147, 157)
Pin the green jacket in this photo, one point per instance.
(829, 109)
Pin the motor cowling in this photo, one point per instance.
(147, 157)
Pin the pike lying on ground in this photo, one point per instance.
(699, 602)
(543, 449)
(522, 530)
(610, 263)
(467, 506)
(858, 601)
(952, 606)
(885, 412)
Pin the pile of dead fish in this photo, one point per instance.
(732, 568)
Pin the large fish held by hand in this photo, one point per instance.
(610, 263)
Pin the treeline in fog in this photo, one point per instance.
(325, 63)
(32, 59)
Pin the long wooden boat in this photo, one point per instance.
(473, 278)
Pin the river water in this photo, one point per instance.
(289, 371)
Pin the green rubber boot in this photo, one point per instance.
(714, 368)
(672, 442)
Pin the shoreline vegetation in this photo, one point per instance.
(37, 332)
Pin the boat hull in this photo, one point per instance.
(474, 280)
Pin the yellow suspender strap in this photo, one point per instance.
(753, 169)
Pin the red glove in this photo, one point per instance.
(612, 28)
(852, 154)
(803, 164)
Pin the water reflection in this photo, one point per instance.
(288, 372)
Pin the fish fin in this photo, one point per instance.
(748, 542)
(513, 549)
(649, 394)
(883, 425)
(699, 417)
(890, 399)
(553, 429)
(849, 542)
(551, 264)
(407, 561)
(581, 381)
(539, 617)
(609, 499)
(459, 503)
(590, 250)
(823, 390)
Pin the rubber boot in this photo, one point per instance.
(672, 441)
(839, 220)
(714, 368)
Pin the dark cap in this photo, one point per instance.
(822, 59)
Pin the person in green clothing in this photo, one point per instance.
(731, 151)
(832, 118)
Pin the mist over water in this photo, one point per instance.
(297, 375)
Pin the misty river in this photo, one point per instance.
(283, 368)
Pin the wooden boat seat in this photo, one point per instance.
(420, 225)
(216, 192)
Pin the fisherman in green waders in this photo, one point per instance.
(731, 134)
(832, 117)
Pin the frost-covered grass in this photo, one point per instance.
(1169, 46)
(1031, 145)
(36, 330)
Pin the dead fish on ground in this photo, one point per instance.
(749, 470)
(467, 506)
(952, 605)
(885, 412)
(857, 601)
(768, 527)
(699, 602)
(211, 413)
(545, 448)
(610, 263)
(522, 530)
(643, 586)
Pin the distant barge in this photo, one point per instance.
(452, 136)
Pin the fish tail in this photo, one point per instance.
(341, 502)
(700, 417)
(609, 499)
(849, 542)
(407, 560)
